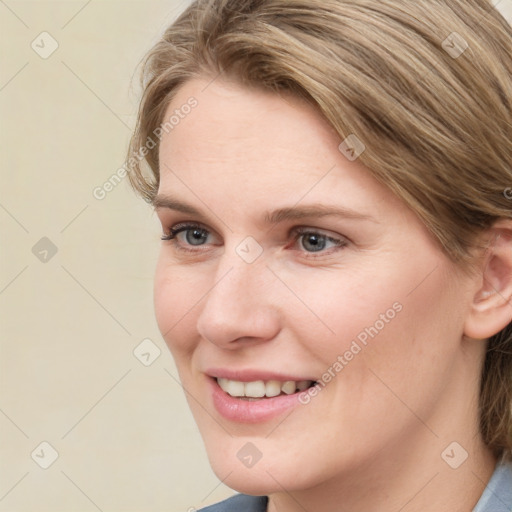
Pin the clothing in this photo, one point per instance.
(240, 503)
(497, 496)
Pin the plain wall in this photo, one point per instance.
(76, 275)
(69, 324)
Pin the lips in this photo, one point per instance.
(255, 396)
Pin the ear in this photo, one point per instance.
(491, 308)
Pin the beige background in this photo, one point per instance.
(125, 438)
(70, 321)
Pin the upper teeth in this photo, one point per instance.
(259, 388)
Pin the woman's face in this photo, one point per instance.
(292, 265)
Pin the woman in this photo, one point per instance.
(335, 278)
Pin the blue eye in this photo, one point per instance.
(194, 234)
(309, 241)
(313, 241)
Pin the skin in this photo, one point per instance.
(372, 439)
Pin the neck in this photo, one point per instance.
(401, 478)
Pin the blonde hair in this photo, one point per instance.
(425, 85)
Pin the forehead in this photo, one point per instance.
(229, 117)
(247, 145)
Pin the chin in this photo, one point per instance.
(256, 481)
(268, 475)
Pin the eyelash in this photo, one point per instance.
(178, 228)
(297, 233)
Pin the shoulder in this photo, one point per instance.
(497, 496)
(239, 503)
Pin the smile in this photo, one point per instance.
(253, 399)
(262, 389)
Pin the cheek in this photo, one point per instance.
(410, 358)
(400, 323)
(335, 308)
(176, 296)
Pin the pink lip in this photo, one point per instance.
(244, 411)
(251, 375)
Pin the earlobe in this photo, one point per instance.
(491, 308)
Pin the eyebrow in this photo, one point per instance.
(271, 217)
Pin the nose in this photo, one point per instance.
(241, 306)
